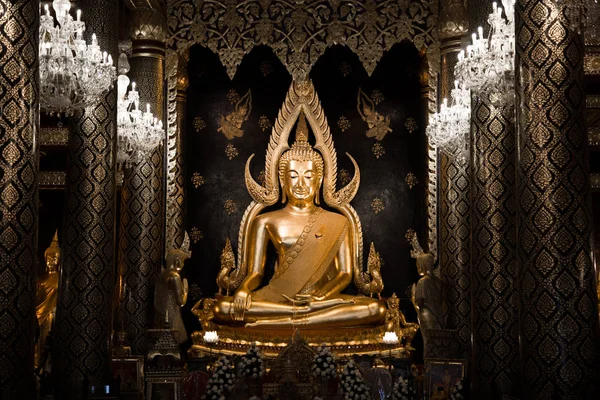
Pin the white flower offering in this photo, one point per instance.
(390, 338)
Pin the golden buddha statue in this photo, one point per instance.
(314, 257)
(46, 297)
(319, 250)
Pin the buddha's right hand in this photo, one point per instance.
(241, 302)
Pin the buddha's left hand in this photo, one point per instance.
(304, 299)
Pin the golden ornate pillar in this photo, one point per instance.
(178, 83)
(84, 309)
(495, 343)
(558, 304)
(19, 124)
(454, 189)
(142, 200)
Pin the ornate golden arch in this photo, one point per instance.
(299, 33)
(301, 97)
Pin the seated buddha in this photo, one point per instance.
(315, 261)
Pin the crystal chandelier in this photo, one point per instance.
(449, 129)
(487, 67)
(73, 74)
(138, 133)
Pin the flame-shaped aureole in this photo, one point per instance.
(301, 97)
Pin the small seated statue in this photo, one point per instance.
(171, 290)
(314, 260)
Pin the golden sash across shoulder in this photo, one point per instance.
(308, 260)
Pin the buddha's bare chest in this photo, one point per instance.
(286, 232)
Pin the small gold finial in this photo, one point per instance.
(301, 132)
(54, 247)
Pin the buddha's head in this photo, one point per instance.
(175, 258)
(425, 263)
(52, 255)
(301, 169)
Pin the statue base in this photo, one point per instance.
(360, 341)
(235, 340)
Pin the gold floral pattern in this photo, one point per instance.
(378, 150)
(266, 68)
(377, 205)
(344, 123)
(199, 124)
(196, 235)
(264, 123)
(344, 177)
(233, 96)
(230, 207)
(377, 97)
(411, 180)
(197, 180)
(411, 125)
(231, 152)
(345, 69)
(410, 234)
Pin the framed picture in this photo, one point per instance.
(441, 376)
(129, 373)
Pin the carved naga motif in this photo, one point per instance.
(373, 280)
(227, 266)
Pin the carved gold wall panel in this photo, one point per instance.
(19, 123)
(299, 32)
(558, 303)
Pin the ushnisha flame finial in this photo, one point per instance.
(301, 132)
(54, 247)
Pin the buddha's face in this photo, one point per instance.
(52, 261)
(301, 181)
(425, 264)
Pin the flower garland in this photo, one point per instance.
(324, 364)
(458, 392)
(221, 382)
(404, 389)
(352, 383)
(252, 365)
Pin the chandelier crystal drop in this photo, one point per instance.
(73, 74)
(487, 67)
(449, 129)
(138, 133)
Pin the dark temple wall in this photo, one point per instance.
(386, 203)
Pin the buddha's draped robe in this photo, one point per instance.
(309, 263)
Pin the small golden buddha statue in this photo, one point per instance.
(47, 296)
(315, 262)
(171, 290)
